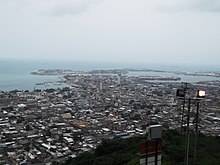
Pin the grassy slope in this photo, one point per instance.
(123, 151)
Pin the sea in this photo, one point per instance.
(16, 74)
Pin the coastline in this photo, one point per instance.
(16, 74)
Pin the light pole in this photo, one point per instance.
(196, 133)
(187, 134)
(184, 102)
(181, 93)
(200, 95)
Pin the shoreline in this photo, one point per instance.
(27, 81)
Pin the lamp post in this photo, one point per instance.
(181, 93)
(187, 134)
(200, 95)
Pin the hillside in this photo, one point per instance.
(123, 151)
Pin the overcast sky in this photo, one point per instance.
(151, 31)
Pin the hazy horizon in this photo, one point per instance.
(84, 64)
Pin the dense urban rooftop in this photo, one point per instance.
(52, 125)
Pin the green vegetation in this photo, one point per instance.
(123, 151)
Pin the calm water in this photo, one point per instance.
(16, 74)
(184, 78)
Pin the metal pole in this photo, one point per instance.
(183, 111)
(196, 134)
(187, 135)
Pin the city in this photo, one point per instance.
(87, 82)
(53, 125)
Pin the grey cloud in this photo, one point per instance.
(206, 5)
(190, 5)
(63, 10)
(51, 7)
(70, 7)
